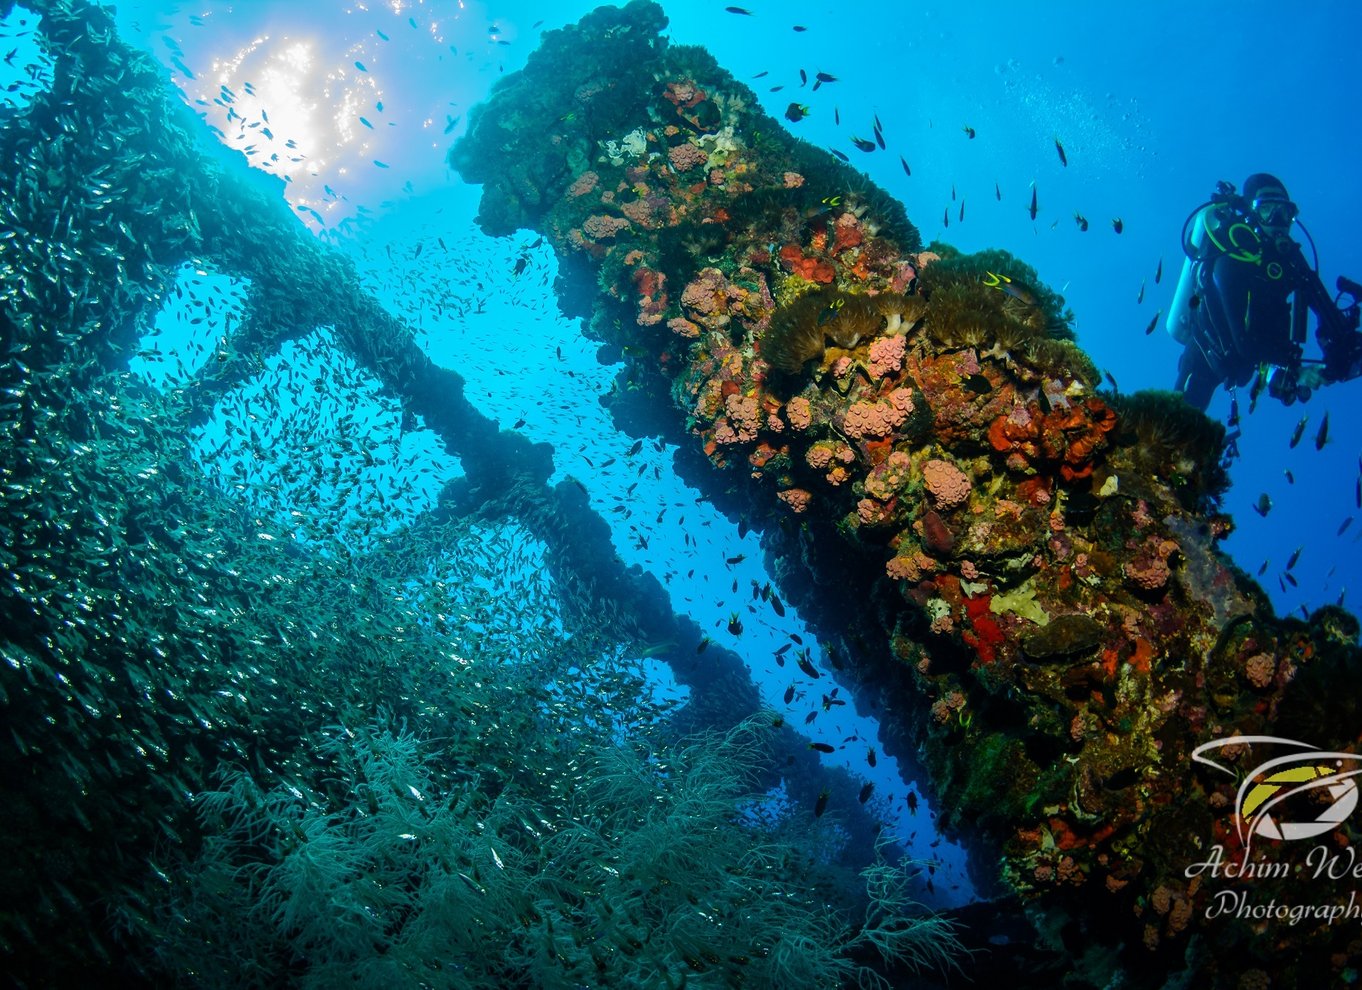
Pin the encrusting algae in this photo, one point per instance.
(1057, 586)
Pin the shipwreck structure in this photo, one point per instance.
(944, 484)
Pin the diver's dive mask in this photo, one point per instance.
(1273, 209)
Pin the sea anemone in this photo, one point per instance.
(804, 329)
(989, 299)
(1061, 359)
(1168, 438)
(962, 316)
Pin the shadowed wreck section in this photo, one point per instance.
(1030, 560)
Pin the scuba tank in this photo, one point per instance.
(1216, 227)
(1180, 321)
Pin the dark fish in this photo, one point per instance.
(879, 139)
(1111, 378)
(837, 116)
(1290, 580)
(952, 192)
(870, 756)
(825, 77)
(1343, 527)
(969, 131)
(978, 384)
(911, 801)
(831, 310)
(1322, 435)
(1008, 286)
(1140, 298)
(866, 791)
(796, 112)
(840, 154)
(1153, 323)
(763, 72)
(1263, 506)
(997, 192)
(1158, 272)
(777, 89)
(946, 217)
(735, 560)
(638, 445)
(1033, 202)
(734, 624)
(1295, 556)
(1290, 478)
(821, 805)
(904, 163)
(789, 694)
(1118, 225)
(803, 78)
(1063, 158)
(799, 27)
(777, 606)
(809, 669)
(1299, 431)
(702, 645)
(822, 747)
(863, 144)
(962, 211)
(1081, 220)
(739, 10)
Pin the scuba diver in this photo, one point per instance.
(1244, 296)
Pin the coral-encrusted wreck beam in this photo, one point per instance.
(1073, 630)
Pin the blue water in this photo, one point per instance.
(356, 108)
(1152, 103)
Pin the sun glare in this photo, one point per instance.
(295, 110)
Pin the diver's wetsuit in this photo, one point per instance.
(1242, 310)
